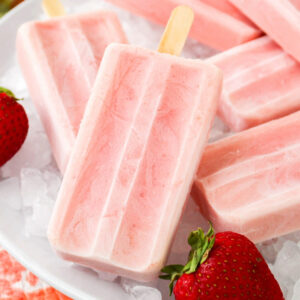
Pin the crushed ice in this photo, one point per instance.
(30, 181)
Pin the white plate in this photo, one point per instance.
(33, 252)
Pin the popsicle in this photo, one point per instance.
(278, 18)
(59, 59)
(143, 132)
(217, 22)
(261, 83)
(250, 182)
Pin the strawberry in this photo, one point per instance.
(222, 266)
(13, 125)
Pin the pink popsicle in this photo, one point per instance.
(59, 59)
(142, 135)
(217, 22)
(250, 182)
(278, 18)
(261, 83)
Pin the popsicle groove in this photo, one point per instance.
(82, 50)
(264, 184)
(249, 167)
(136, 144)
(68, 72)
(125, 104)
(258, 67)
(94, 27)
(175, 177)
(169, 208)
(62, 70)
(135, 230)
(27, 41)
(249, 96)
(243, 149)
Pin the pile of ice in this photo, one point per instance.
(31, 180)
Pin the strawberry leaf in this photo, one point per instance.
(7, 92)
(201, 245)
(172, 269)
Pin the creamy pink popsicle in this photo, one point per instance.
(278, 18)
(250, 182)
(217, 22)
(59, 59)
(134, 160)
(261, 83)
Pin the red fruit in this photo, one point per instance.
(13, 125)
(222, 266)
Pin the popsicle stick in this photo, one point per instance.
(177, 30)
(53, 8)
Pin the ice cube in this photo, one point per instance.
(295, 236)
(35, 123)
(42, 211)
(32, 228)
(268, 251)
(33, 186)
(296, 290)
(287, 264)
(141, 292)
(138, 291)
(36, 223)
(10, 193)
(218, 131)
(194, 49)
(107, 276)
(53, 181)
(191, 220)
(163, 286)
(286, 286)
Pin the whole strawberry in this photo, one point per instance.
(222, 266)
(13, 125)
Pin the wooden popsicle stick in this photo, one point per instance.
(53, 8)
(177, 30)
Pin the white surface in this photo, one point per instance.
(35, 158)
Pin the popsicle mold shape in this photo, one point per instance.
(59, 59)
(261, 83)
(250, 182)
(142, 135)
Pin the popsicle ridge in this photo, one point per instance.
(251, 166)
(131, 159)
(147, 187)
(68, 69)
